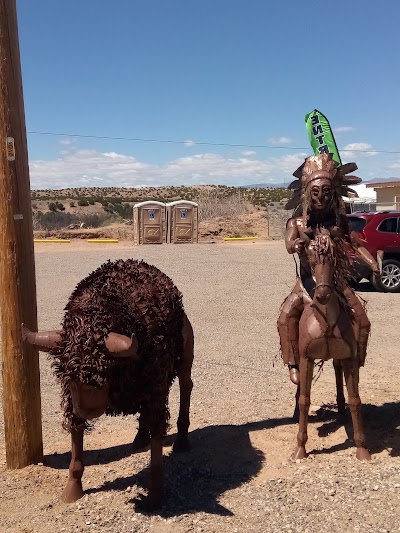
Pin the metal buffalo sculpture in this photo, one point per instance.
(124, 339)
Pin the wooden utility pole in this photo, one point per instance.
(20, 361)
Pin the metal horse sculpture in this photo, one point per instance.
(328, 330)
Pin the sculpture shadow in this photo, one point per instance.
(221, 458)
(381, 427)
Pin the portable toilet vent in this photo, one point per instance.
(149, 222)
(182, 222)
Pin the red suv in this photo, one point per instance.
(380, 231)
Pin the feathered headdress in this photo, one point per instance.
(322, 166)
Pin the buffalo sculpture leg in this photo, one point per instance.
(156, 491)
(306, 374)
(73, 491)
(351, 374)
(185, 388)
(145, 434)
(142, 440)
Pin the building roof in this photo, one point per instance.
(391, 182)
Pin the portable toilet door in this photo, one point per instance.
(182, 222)
(149, 222)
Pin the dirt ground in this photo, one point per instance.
(237, 476)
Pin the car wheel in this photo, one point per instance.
(390, 279)
(375, 283)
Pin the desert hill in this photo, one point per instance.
(107, 211)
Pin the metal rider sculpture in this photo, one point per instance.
(328, 330)
(317, 201)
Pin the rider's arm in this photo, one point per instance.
(363, 253)
(292, 236)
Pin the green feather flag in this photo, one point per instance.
(321, 136)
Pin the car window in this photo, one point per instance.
(388, 225)
(357, 224)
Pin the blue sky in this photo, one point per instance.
(217, 72)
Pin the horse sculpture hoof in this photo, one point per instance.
(299, 453)
(72, 492)
(363, 454)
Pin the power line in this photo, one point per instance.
(170, 141)
(199, 143)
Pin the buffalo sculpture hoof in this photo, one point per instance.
(181, 445)
(298, 453)
(363, 454)
(148, 504)
(72, 492)
(141, 442)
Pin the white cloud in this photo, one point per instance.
(357, 149)
(248, 153)
(88, 168)
(189, 143)
(280, 140)
(343, 129)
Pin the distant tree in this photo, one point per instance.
(83, 202)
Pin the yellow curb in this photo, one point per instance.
(102, 240)
(239, 238)
(51, 240)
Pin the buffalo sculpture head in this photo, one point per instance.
(89, 400)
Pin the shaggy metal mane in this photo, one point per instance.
(327, 250)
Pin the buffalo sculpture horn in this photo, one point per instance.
(117, 345)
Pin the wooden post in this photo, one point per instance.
(21, 381)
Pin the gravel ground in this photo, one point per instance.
(237, 477)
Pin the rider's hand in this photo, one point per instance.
(376, 270)
(377, 273)
(299, 245)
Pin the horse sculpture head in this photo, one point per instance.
(321, 256)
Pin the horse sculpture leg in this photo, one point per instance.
(351, 374)
(306, 374)
(296, 405)
(340, 400)
(73, 491)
